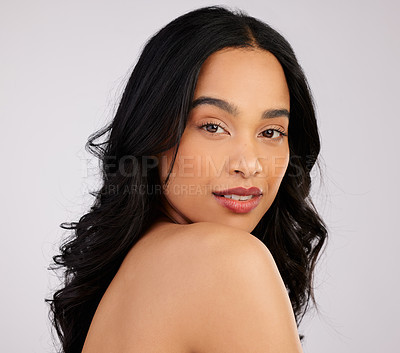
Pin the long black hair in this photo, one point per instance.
(150, 119)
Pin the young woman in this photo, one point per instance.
(203, 237)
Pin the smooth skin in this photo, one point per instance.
(245, 150)
(198, 281)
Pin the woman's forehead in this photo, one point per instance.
(248, 78)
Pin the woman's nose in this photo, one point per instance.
(245, 161)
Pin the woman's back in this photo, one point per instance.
(201, 287)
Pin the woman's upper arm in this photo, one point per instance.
(242, 304)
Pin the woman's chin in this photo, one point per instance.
(241, 224)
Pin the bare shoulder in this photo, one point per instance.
(220, 235)
(229, 292)
(203, 287)
(241, 303)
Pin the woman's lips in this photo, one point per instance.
(237, 206)
(240, 191)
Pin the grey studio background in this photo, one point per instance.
(63, 67)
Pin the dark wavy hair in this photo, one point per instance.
(150, 119)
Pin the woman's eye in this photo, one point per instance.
(212, 128)
(273, 133)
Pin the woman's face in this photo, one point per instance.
(234, 138)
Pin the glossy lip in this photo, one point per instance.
(240, 191)
(237, 206)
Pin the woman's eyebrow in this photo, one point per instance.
(234, 110)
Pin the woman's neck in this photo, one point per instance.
(169, 213)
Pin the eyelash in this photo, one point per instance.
(220, 125)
